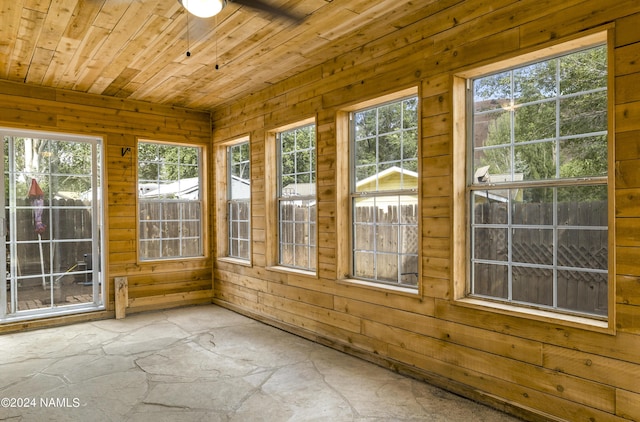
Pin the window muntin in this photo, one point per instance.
(239, 201)
(384, 193)
(538, 186)
(297, 198)
(169, 200)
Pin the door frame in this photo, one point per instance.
(97, 229)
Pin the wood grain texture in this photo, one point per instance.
(121, 123)
(55, 56)
(544, 365)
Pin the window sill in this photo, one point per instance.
(387, 288)
(291, 270)
(574, 321)
(235, 261)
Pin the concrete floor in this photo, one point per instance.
(205, 364)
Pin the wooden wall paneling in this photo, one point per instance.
(620, 346)
(573, 19)
(313, 297)
(626, 31)
(628, 404)
(528, 365)
(627, 291)
(605, 370)
(121, 123)
(328, 317)
(483, 387)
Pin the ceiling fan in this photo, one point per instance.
(209, 8)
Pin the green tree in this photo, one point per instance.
(385, 137)
(297, 155)
(546, 120)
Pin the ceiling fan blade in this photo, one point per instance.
(265, 7)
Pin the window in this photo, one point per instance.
(297, 198)
(538, 183)
(239, 200)
(384, 193)
(170, 204)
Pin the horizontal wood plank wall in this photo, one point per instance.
(530, 367)
(152, 285)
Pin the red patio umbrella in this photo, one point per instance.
(37, 201)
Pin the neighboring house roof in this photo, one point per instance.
(240, 188)
(391, 179)
(183, 189)
(299, 189)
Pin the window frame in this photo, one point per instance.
(346, 195)
(463, 162)
(311, 246)
(201, 221)
(230, 202)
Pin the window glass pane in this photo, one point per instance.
(532, 206)
(532, 246)
(491, 280)
(389, 148)
(492, 92)
(583, 206)
(239, 171)
(492, 128)
(287, 254)
(493, 165)
(490, 243)
(169, 205)
(583, 248)
(582, 157)
(533, 285)
(584, 113)
(490, 206)
(535, 122)
(387, 159)
(583, 70)
(385, 226)
(366, 124)
(540, 94)
(387, 267)
(535, 161)
(365, 151)
(239, 213)
(535, 82)
(296, 196)
(583, 291)
(364, 265)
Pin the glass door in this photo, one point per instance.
(52, 225)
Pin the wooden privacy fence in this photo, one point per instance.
(377, 249)
(581, 242)
(298, 234)
(170, 229)
(64, 243)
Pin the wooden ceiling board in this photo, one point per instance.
(137, 49)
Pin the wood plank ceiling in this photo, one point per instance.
(137, 49)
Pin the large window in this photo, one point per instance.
(384, 193)
(538, 183)
(52, 224)
(239, 201)
(297, 198)
(170, 205)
